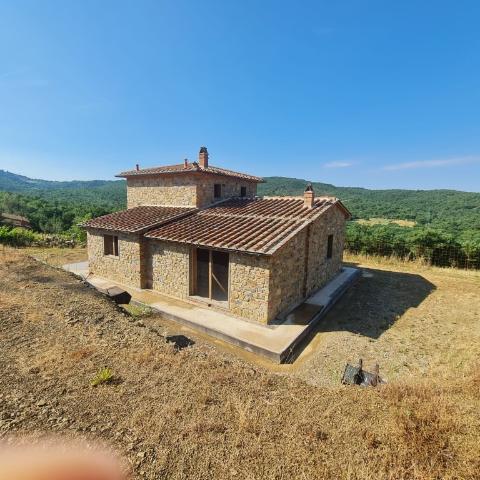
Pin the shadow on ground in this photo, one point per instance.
(373, 304)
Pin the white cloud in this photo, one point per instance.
(338, 164)
(432, 163)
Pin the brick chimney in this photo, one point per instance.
(185, 163)
(308, 196)
(203, 157)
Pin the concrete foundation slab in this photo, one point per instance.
(277, 342)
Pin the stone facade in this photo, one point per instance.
(174, 190)
(127, 267)
(231, 187)
(168, 268)
(182, 190)
(301, 266)
(287, 275)
(320, 268)
(249, 286)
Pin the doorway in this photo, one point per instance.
(210, 274)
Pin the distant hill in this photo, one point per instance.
(109, 194)
(448, 210)
(12, 182)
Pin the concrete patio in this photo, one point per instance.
(276, 342)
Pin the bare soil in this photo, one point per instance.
(202, 412)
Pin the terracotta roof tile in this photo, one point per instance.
(189, 168)
(138, 219)
(249, 225)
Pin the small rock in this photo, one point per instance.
(41, 403)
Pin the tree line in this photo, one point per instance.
(433, 246)
(446, 229)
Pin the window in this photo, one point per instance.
(243, 191)
(110, 245)
(330, 246)
(217, 190)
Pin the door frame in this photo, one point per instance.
(193, 274)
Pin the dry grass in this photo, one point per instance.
(203, 414)
(387, 221)
(415, 321)
(57, 256)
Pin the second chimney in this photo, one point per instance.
(203, 157)
(309, 196)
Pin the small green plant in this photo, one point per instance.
(104, 375)
(136, 310)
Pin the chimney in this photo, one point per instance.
(203, 157)
(185, 163)
(308, 196)
(137, 167)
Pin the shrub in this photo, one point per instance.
(104, 375)
(17, 237)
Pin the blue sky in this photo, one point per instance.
(379, 94)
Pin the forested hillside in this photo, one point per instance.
(442, 226)
(446, 209)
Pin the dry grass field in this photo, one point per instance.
(416, 321)
(203, 412)
(387, 221)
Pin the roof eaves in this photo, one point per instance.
(193, 168)
(204, 245)
(143, 229)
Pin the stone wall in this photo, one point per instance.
(185, 189)
(320, 268)
(287, 275)
(126, 268)
(297, 271)
(168, 268)
(175, 190)
(230, 188)
(249, 286)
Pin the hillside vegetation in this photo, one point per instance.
(56, 207)
(449, 210)
(445, 231)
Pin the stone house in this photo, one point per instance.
(199, 233)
